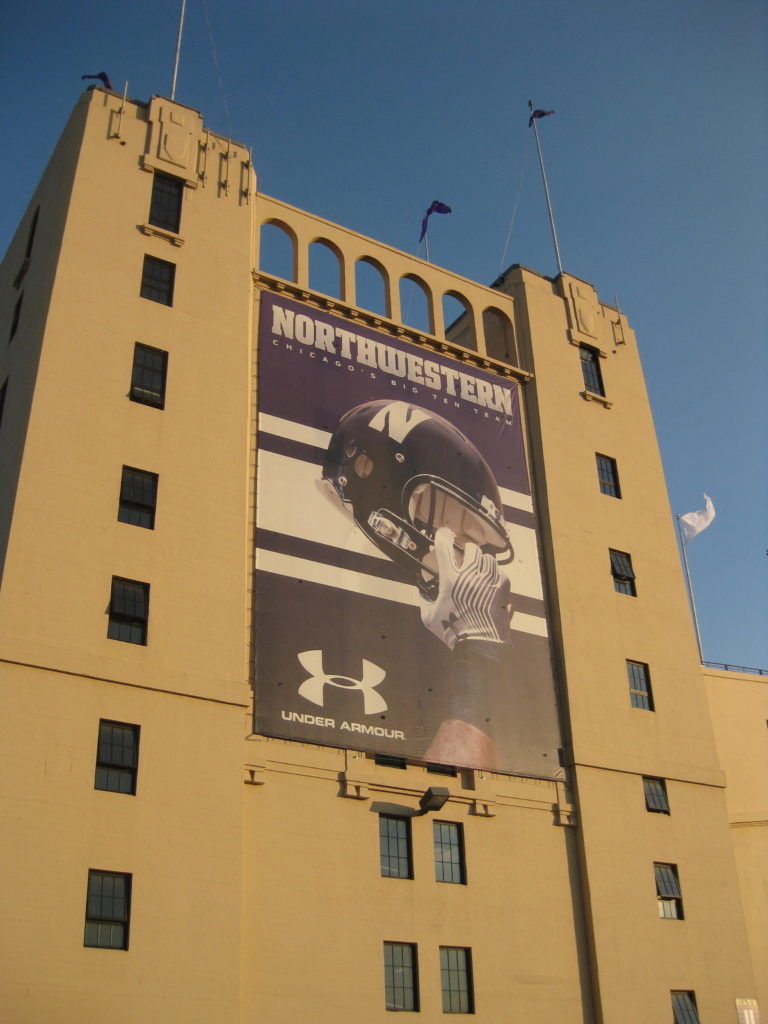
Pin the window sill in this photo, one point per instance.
(169, 236)
(590, 396)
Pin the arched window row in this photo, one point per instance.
(366, 284)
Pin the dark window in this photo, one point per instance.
(590, 367)
(449, 852)
(31, 235)
(138, 497)
(639, 676)
(456, 980)
(3, 393)
(395, 846)
(442, 769)
(655, 795)
(400, 976)
(165, 206)
(150, 369)
(157, 280)
(391, 760)
(684, 1008)
(117, 757)
(107, 910)
(608, 476)
(623, 573)
(128, 611)
(668, 893)
(16, 317)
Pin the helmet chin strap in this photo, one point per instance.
(396, 531)
(390, 530)
(416, 546)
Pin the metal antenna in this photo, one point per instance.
(178, 50)
(546, 191)
(683, 544)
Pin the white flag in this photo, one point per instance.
(694, 522)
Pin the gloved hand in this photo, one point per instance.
(473, 598)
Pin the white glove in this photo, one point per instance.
(473, 601)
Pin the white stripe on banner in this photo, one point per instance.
(293, 431)
(292, 499)
(514, 499)
(370, 586)
(524, 623)
(321, 439)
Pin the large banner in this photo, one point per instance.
(398, 591)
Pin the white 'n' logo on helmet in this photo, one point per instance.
(398, 419)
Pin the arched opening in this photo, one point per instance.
(277, 250)
(499, 338)
(459, 320)
(371, 286)
(415, 304)
(325, 268)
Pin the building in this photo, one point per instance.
(176, 850)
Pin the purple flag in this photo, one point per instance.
(537, 114)
(103, 78)
(436, 207)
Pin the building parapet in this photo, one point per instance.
(743, 669)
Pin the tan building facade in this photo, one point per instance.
(163, 859)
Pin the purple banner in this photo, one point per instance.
(398, 592)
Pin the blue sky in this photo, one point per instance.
(364, 112)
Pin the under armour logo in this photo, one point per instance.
(312, 689)
(449, 625)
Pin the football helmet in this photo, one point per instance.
(405, 472)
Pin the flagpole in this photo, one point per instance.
(426, 244)
(178, 50)
(690, 590)
(546, 191)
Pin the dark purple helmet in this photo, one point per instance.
(405, 472)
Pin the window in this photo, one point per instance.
(608, 476)
(117, 757)
(590, 368)
(441, 769)
(150, 369)
(128, 611)
(107, 910)
(623, 574)
(639, 676)
(395, 847)
(138, 497)
(684, 1008)
(456, 980)
(390, 760)
(165, 206)
(655, 795)
(16, 317)
(400, 976)
(157, 279)
(668, 891)
(449, 852)
(3, 393)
